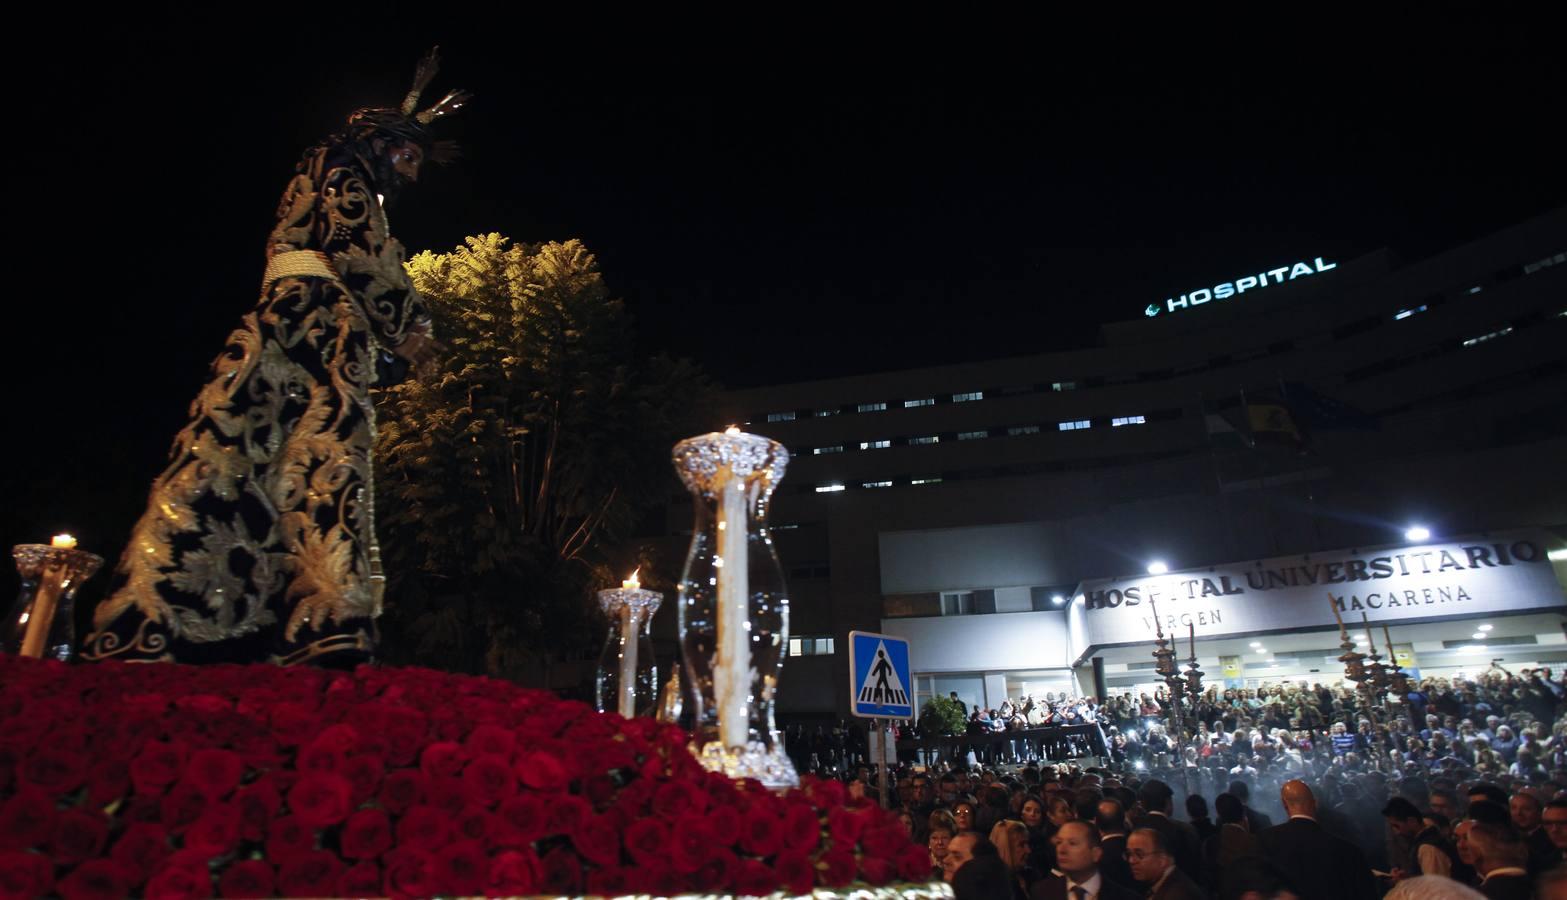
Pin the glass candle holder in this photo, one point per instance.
(627, 680)
(733, 606)
(42, 621)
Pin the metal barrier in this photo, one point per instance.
(1049, 743)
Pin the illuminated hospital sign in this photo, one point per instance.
(1241, 285)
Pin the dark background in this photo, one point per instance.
(777, 203)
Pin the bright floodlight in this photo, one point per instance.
(1157, 567)
(1256, 643)
(1485, 628)
(1058, 599)
(1479, 635)
(1417, 533)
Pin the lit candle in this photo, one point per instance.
(632, 583)
(1193, 627)
(1388, 638)
(46, 599)
(630, 634)
(64, 542)
(1371, 645)
(732, 674)
(1340, 619)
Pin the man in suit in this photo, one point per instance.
(1428, 850)
(1502, 859)
(1319, 865)
(1256, 822)
(1153, 865)
(1079, 856)
(1231, 843)
(975, 870)
(1158, 801)
(1110, 819)
(1526, 811)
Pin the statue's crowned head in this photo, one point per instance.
(397, 140)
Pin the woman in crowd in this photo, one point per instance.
(942, 830)
(1011, 839)
(1040, 830)
(965, 814)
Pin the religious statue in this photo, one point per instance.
(258, 541)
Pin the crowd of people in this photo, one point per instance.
(1458, 790)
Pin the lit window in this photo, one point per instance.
(910, 404)
(794, 646)
(1491, 336)
(1406, 313)
(972, 395)
(828, 488)
(870, 407)
(834, 449)
(1073, 426)
(824, 413)
(1128, 420)
(926, 481)
(959, 603)
(1546, 263)
(927, 439)
(811, 646)
(1016, 430)
(876, 484)
(972, 435)
(875, 445)
(780, 417)
(1063, 386)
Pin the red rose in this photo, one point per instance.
(400, 790)
(442, 758)
(716, 871)
(597, 839)
(513, 873)
(425, 827)
(141, 849)
(157, 766)
(876, 870)
(676, 798)
(248, 878)
(754, 878)
(108, 781)
(560, 872)
(795, 872)
(25, 875)
(472, 824)
(364, 772)
(341, 738)
(287, 836)
(490, 739)
(27, 820)
(565, 812)
(180, 807)
(802, 830)
(320, 800)
(521, 820)
(461, 868)
(217, 831)
(367, 834)
(292, 724)
(79, 835)
(257, 804)
(845, 826)
(98, 879)
(693, 838)
(175, 882)
(405, 731)
(406, 873)
(760, 830)
(914, 864)
(608, 882)
(445, 792)
(214, 772)
(825, 793)
(541, 771)
(647, 840)
(361, 880)
(313, 873)
(838, 868)
(317, 756)
(488, 780)
(886, 841)
(55, 770)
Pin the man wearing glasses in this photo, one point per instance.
(1154, 867)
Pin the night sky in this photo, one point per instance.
(786, 207)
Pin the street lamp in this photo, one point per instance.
(1417, 533)
(1058, 599)
(1157, 567)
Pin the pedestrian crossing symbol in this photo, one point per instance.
(879, 676)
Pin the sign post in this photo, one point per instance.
(879, 681)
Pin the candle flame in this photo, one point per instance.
(632, 583)
(64, 542)
(732, 430)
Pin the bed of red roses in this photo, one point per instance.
(256, 781)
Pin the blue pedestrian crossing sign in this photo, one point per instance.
(879, 677)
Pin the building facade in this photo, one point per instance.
(1323, 406)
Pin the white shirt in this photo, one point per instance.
(1092, 886)
(1504, 870)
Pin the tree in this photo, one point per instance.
(502, 478)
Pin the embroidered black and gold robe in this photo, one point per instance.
(258, 540)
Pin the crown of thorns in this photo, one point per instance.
(404, 122)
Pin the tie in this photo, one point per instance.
(1079, 892)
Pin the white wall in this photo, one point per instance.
(1014, 599)
(988, 643)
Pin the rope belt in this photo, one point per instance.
(298, 264)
